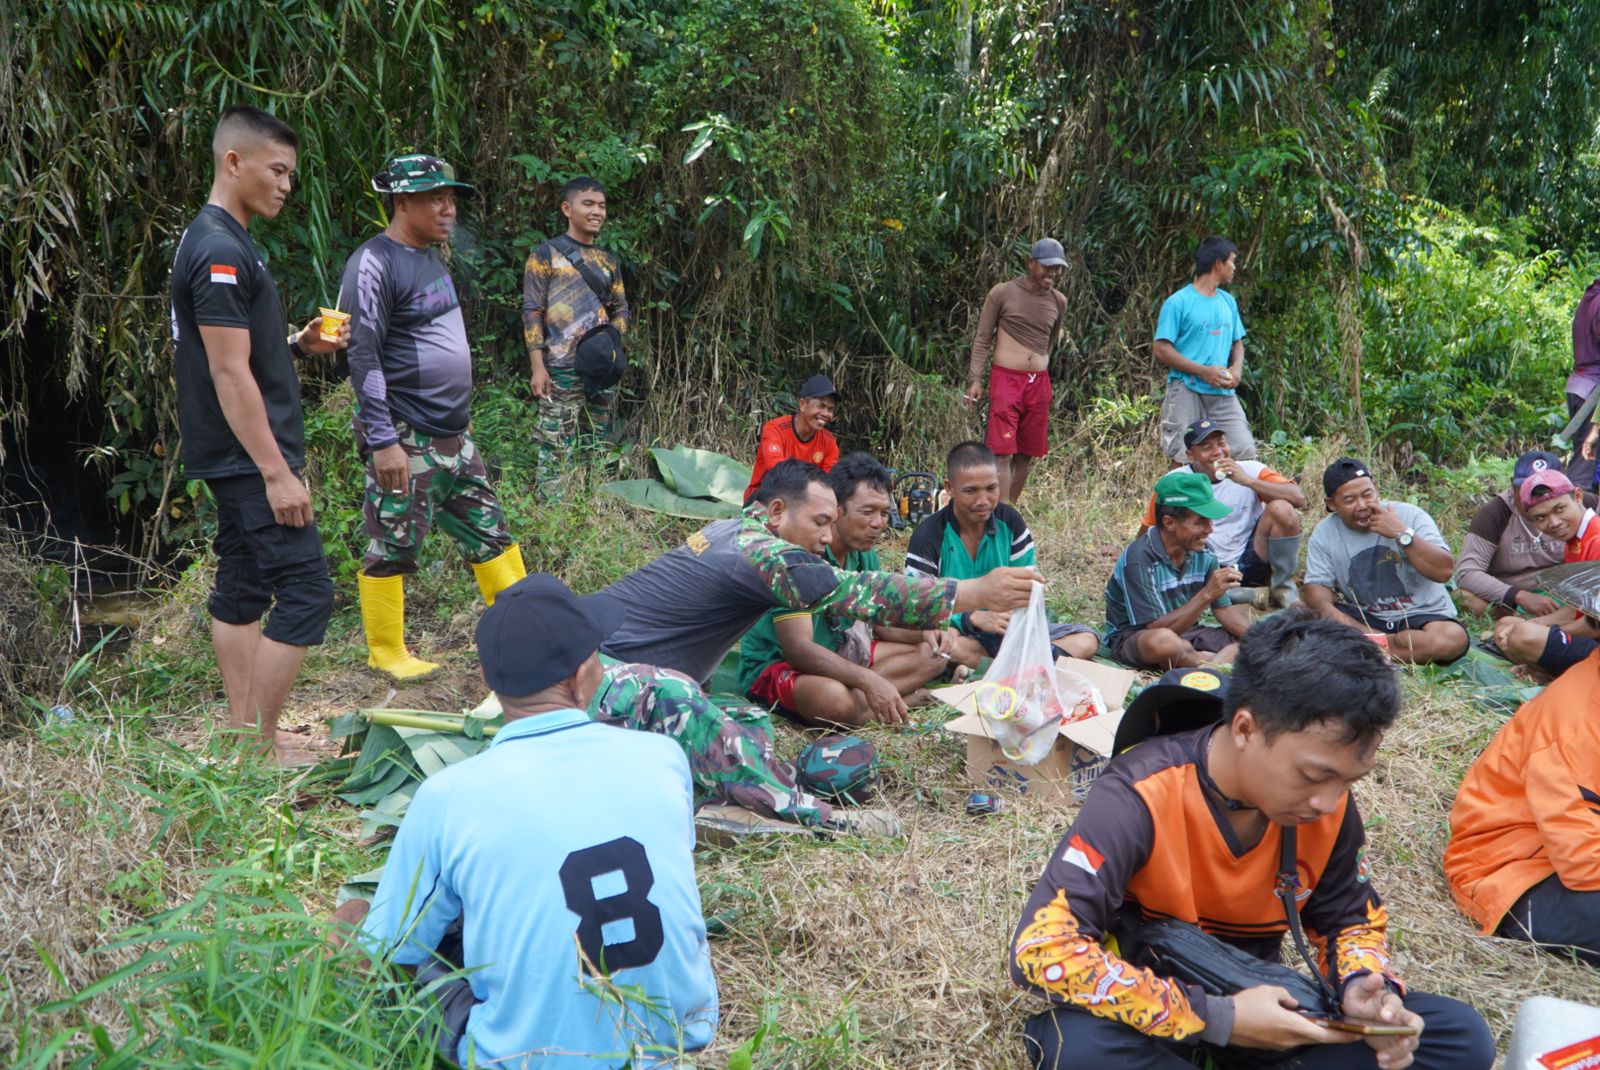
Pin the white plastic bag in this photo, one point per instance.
(1020, 700)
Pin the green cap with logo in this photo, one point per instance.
(1191, 491)
(416, 173)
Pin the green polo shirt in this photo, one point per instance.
(936, 549)
(760, 647)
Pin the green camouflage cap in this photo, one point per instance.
(416, 173)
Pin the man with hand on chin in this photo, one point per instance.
(411, 368)
(1388, 564)
(1306, 708)
(240, 417)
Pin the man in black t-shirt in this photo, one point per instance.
(239, 414)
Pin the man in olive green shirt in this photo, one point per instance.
(821, 669)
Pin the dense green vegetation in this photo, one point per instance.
(794, 184)
(838, 182)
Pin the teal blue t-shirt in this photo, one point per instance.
(1203, 329)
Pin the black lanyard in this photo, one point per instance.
(1288, 881)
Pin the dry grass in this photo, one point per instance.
(80, 860)
(869, 954)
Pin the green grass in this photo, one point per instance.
(178, 897)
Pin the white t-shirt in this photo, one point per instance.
(1231, 534)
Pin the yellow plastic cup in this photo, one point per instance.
(337, 319)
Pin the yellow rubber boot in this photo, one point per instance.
(383, 614)
(498, 573)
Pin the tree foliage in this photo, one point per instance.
(829, 183)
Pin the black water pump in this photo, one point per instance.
(916, 497)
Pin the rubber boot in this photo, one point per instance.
(1283, 554)
(498, 573)
(383, 615)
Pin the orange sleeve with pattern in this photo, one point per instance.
(1055, 956)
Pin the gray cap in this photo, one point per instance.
(1048, 252)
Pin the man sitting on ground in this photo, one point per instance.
(826, 671)
(539, 911)
(976, 533)
(1166, 579)
(1306, 710)
(1388, 563)
(803, 436)
(688, 607)
(1503, 549)
(1261, 537)
(1522, 860)
(1560, 639)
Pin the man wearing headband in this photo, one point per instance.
(1560, 639)
(1380, 567)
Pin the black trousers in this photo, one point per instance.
(1454, 1037)
(1554, 915)
(451, 996)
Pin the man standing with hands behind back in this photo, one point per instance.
(560, 306)
(240, 417)
(1021, 322)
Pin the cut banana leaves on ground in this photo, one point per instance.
(697, 484)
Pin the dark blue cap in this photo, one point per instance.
(818, 386)
(1535, 461)
(538, 633)
(1181, 700)
(1199, 430)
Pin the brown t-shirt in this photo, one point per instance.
(1033, 319)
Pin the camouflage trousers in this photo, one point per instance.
(449, 485)
(570, 420)
(730, 751)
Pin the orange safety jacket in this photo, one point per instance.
(1530, 804)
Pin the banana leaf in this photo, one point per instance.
(1485, 678)
(697, 484)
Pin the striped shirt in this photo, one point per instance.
(936, 549)
(1146, 584)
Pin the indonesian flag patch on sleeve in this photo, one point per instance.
(1080, 854)
(225, 273)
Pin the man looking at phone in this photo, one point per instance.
(1305, 712)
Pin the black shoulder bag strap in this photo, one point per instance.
(567, 247)
(1288, 881)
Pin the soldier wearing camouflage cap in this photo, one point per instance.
(411, 368)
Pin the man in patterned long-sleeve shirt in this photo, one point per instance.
(1189, 827)
(558, 308)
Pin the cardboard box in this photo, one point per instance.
(1080, 753)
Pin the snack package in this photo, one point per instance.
(1021, 698)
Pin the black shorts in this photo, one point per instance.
(990, 641)
(1413, 623)
(262, 564)
(1208, 638)
(1256, 572)
(1562, 651)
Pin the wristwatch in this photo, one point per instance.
(1405, 538)
(295, 349)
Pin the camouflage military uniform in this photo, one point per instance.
(570, 419)
(449, 485)
(730, 751)
(558, 307)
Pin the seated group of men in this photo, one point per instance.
(610, 965)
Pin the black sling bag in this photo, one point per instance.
(1186, 952)
(599, 359)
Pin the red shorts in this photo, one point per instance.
(775, 685)
(1019, 412)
